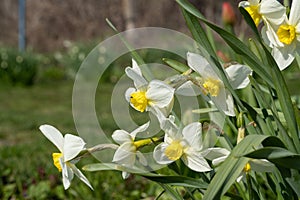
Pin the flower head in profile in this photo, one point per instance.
(146, 95)
(286, 40)
(69, 147)
(127, 153)
(212, 85)
(185, 144)
(269, 11)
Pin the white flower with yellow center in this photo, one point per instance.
(69, 146)
(185, 144)
(146, 95)
(286, 40)
(127, 153)
(269, 11)
(218, 155)
(212, 85)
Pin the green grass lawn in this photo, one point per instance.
(26, 168)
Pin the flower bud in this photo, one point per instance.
(228, 14)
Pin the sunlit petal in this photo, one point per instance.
(199, 64)
(295, 13)
(196, 162)
(53, 135)
(159, 93)
(121, 136)
(73, 145)
(138, 80)
(284, 56)
(238, 75)
(192, 133)
(139, 129)
(125, 154)
(159, 154)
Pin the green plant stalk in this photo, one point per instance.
(282, 132)
(249, 186)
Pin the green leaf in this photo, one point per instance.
(173, 193)
(228, 172)
(270, 153)
(250, 21)
(176, 65)
(179, 181)
(146, 72)
(284, 98)
(198, 32)
(238, 46)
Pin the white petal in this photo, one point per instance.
(219, 160)
(261, 165)
(67, 175)
(283, 56)
(272, 11)
(295, 13)
(244, 4)
(125, 175)
(165, 123)
(136, 67)
(138, 80)
(188, 89)
(81, 176)
(216, 152)
(141, 158)
(230, 105)
(159, 93)
(254, 2)
(238, 75)
(121, 136)
(241, 177)
(199, 64)
(139, 129)
(66, 182)
(224, 102)
(269, 35)
(196, 162)
(72, 146)
(159, 154)
(128, 93)
(53, 135)
(125, 154)
(192, 133)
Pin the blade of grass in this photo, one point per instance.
(146, 72)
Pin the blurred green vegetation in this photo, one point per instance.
(26, 169)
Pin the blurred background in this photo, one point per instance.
(50, 22)
(36, 82)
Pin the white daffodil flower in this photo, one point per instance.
(185, 144)
(69, 146)
(213, 85)
(269, 11)
(286, 40)
(218, 155)
(146, 95)
(257, 165)
(127, 152)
